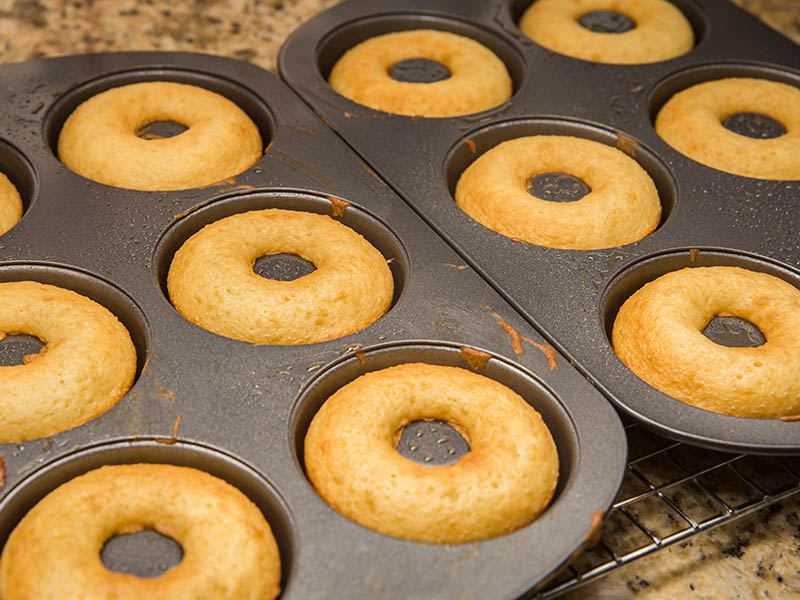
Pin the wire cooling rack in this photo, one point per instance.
(672, 491)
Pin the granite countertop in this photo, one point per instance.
(756, 556)
(246, 29)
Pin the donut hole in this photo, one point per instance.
(19, 349)
(283, 267)
(734, 332)
(431, 442)
(754, 125)
(159, 130)
(557, 187)
(419, 70)
(146, 553)
(606, 21)
(337, 42)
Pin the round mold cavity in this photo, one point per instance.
(650, 268)
(474, 144)
(698, 20)
(754, 125)
(528, 386)
(670, 417)
(19, 170)
(358, 219)
(248, 101)
(677, 82)
(94, 288)
(30, 490)
(341, 39)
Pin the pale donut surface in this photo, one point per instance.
(658, 335)
(10, 204)
(478, 78)
(504, 482)
(622, 207)
(99, 139)
(691, 122)
(661, 31)
(88, 362)
(212, 283)
(229, 552)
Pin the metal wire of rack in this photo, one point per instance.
(673, 491)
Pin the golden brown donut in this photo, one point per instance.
(229, 552)
(478, 78)
(211, 280)
(87, 364)
(10, 204)
(658, 335)
(661, 31)
(691, 122)
(504, 482)
(622, 207)
(99, 138)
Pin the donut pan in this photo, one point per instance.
(240, 410)
(571, 297)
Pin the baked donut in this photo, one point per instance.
(229, 552)
(658, 335)
(478, 78)
(691, 122)
(99, 139)
(211, 280)
(622, 206)
(502, 483)
(10, 204)
(87, 364)
(659, 30)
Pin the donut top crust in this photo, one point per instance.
(478, 78)
(505, 480)
(99, 141)
(658, 335)
(661, 32)
(87, 364)
(691, 122)
(229, 552)
(10, 204)
(211, 280)
(622, 207)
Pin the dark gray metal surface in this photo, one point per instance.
(709, 217)
(240, 410)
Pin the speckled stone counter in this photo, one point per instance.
(754, 557)
(245, 29)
